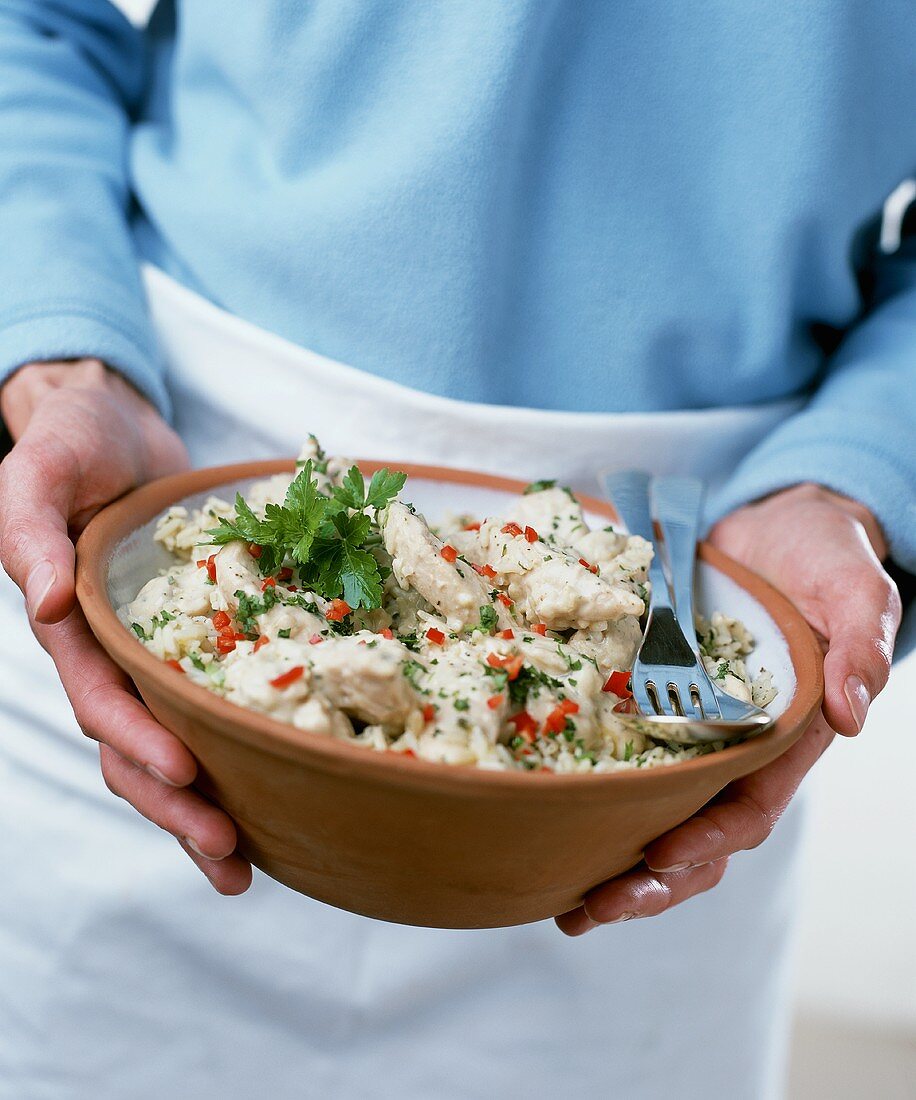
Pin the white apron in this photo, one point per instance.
(123, 975)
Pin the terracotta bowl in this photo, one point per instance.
(402, 839)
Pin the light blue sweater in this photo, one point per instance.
(569, 204)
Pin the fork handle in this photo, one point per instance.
(676, 504)
(629, 492)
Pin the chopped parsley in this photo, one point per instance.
(529, 681)
(412, 669)
(489, 620)
(540, 486)
(156, 623)
(252, 606)
(283, 633)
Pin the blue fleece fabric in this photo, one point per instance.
(568, 204)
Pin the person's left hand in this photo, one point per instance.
(824, 552)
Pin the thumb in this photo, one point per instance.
(862, 622)
(35, 548)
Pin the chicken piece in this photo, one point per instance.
(363, 675)
(600, 547)
(730, 675)
(554, 513)
(236, 571)
(564, 595)
(299, 622)
(453, 588)
(183, 589)
(548, 584)
(248, 682)
(612, 648)
(460, 689)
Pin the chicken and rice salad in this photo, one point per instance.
(502, 642)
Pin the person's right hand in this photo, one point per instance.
(82, 437)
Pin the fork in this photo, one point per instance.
(671, 687)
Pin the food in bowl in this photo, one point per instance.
(501, 642)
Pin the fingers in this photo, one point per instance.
(862, 620)
(105, 706)
(141, 761)
(35, 548)
(744, 814)
(639, 893)
(204, 831)
(230, 876)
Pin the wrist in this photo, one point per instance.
(811, 492)
(24, 390)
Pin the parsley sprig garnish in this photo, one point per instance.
(325, 535)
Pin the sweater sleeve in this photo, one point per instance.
(857, 434)
(71, 72)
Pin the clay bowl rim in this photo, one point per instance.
(99, 541)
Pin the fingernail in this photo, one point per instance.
(622, 917)
(192, 843)
(674, 867)
(586, 924)
(38, 584)
(157, 774)
(858, 698)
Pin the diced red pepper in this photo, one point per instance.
(255, 550)
(540, 628)
(477, 568)
(489, 571)
(387, 633)
(588, 565)
(261, 642)
(531, 535)
(429, 712)
(292, 588)
(555, 721)
(201, 563)
(225, 643)
(472, 527)
(524, 724)
(285, 574)
(435, 636)
(268, 582)
(221, 620)
(512, 666)
(211, 567)
(504, 599)
(288, 677)
(569, 707)
(507, 634)
(511, 529)
(175, 665)
(619, 684)
(495, 701)
(449, 553)
(338, 609)
(316, 639)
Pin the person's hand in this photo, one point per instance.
(824, 552)
(82, 437)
